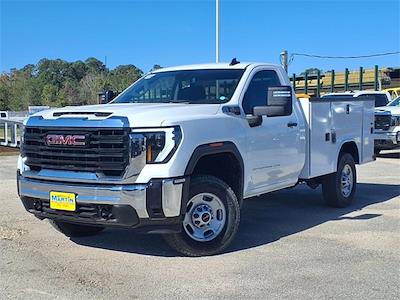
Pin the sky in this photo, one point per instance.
(179, 32)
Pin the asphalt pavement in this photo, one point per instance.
(289, 246)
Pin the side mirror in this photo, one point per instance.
(106, 96)
(278, 102)
(109, 95)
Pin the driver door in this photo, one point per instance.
(272, 149)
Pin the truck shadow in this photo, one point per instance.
(264, 220)
(389, 155)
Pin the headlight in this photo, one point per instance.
(155, 145)
(395, 121)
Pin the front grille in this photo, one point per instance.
(106, 151)
(382, 122)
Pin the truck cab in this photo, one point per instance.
(178, 151)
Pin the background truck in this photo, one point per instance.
(387, 119)
(380, 98)
(387, 126)
(178, 151)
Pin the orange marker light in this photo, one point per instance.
(149, 154)
(215, 145)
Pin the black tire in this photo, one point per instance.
(184, 244)
(75, 230)
(332, 186)
(377, 151)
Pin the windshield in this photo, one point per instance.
(380, 100)
(395, 102)
(191, 86)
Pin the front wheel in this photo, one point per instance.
(211, 219)
(339, 188)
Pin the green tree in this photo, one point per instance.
(5, 92)
(123, 76)
(95, 66)
(155, 67)
(50, 96)
(69, 94)
(53, 72)
(58, 82)
(24, 88)
(78, 70)
(90, 86)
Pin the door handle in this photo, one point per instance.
(292, 124)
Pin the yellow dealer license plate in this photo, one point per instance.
(62, 201)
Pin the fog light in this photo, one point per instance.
(105, 212)
(37, 204)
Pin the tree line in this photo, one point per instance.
(61, 83)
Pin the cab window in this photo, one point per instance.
(380, 99)
(256, 94)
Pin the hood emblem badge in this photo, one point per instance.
(65, 140)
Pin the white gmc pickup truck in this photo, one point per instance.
(178, 151)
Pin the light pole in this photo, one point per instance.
(284, 60)
(217, 31)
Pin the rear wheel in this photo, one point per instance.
(339, 188)
(211, 219)
(75, 230)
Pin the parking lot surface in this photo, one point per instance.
(289, 246)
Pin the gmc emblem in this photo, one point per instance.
(65, 140)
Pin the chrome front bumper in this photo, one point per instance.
(159, 199)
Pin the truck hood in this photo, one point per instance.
(138, 114)
(394, 110)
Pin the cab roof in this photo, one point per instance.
(210, 66)
(355, 93)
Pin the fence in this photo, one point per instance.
(10, 132)
(315, 84)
